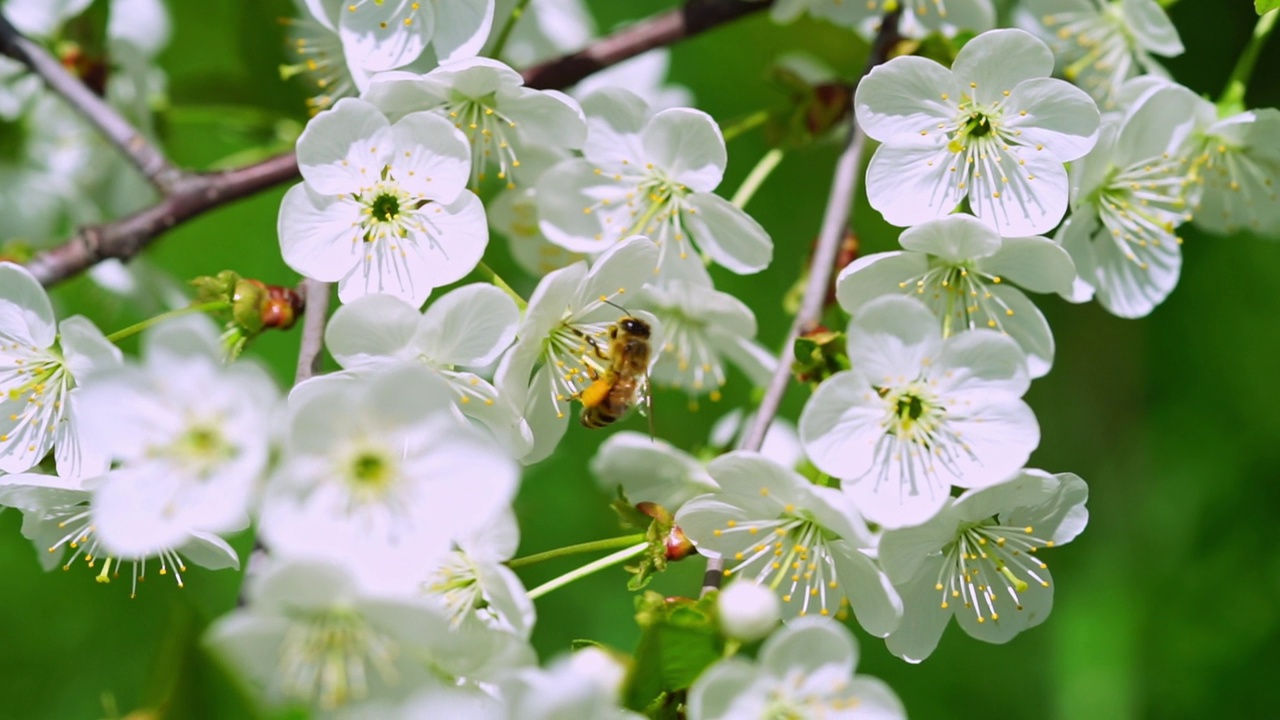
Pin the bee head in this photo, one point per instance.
(634, 326)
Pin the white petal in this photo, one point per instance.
(923, 621)
(319, 236)
(912, 184)
(903, 552)
(1023, 194)
(1059, 115)
(31, 318)
(985, 61)
(999, 436)
(570, 214)
(133, 513)
(469, 326)
(893, 337)
(1132, 279)
(623, 268)
(980, 360)
(344, 148)
(839, 427)
(731, 237)
(431, 156)
(721, 690)
(547, 118)
(398, 93)
(955, 238)
(687, 145)
(904, 97)
(806, 645)
(371, 329)
(1036, 602)
(615, 120)
(546, 420)
(1062, 516)
(875, 603)
(1035, 263)
(85, 348)
(650, 470)
(461, 27)
(388, 34)
(1153, 28)
(877, 274)
(1024, 322)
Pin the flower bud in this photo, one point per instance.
(748, 611)
(678, 546)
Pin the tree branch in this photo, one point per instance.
(310, 352)
(145, 156)
(190, 195)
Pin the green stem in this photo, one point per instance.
(1233, 96)
(132, 330)
(604, 562)
(586, 547)
(503, 36)
(501, 284)
(746, 124)
(756, 177)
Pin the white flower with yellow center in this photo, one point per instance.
(1239, 169)
(919, 17)
(474, 584)
(1129, 195)
(379, 476)
(651, 174)
(804, 670)
(1100, 44)
(311, 634)
(960, 267)
(918, 414)
(58, 517)
(562, 343)
(190, 439)
(465, 328)
(42, 364)
(383, 208)
(989, 129)
(804, 542)
(979, 561)
(488, 103)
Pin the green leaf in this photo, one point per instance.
(679, 640)
(1265, 6)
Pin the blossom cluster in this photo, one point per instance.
(381, 495)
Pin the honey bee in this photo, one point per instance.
(626, 381)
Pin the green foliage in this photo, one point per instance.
(679, 639)
(1265, 6)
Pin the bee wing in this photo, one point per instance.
(646, 409)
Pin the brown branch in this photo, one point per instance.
(668, 28)
(311, 351)
(147, 157)
(192, 195)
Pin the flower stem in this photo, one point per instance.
(132, 330)
(586, 547)
(604, 562)
(510, 25)
(745, 125)
(756, 177)
(501, 284)
(1233, 96)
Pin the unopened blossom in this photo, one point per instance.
(651, 174)
(379, 476)
(488, 102)
(919, 413)
(804, 670)
(58, 518)
(42, 364)
(930, 15)
(562, 343)
(988, 129)
(979, 560)
(383, 208)
(1238, 168)
(702, 328)
(311, 634)
(1129, 195)
(805, 542)
(961, 269)
(465, 328)
(748, 611)
(1100, 44)
(189, 437)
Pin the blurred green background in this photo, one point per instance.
(1167, 607)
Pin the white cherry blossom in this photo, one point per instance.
(488, 103)
(465, 328)
(189, 436)
(960, 268)
(803, 541)
(383, 208)
(988, 129)
(1100, 44)
(920, 16)
(1129, 195)
(653, 174)
(379, 476)
(563, 335)
(474, 584)
(918, 413)
(1238, 167)
(979, 560)
(42, 366)
(804, 670)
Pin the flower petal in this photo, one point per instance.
(955, 238)
(29, 318)
(873, 599)
(984, 64)
(462, 26)
(387, 34)
(878, 274)
(317, 237)
(372, 329)
(1152, 27)
(923, 622)
(431, 157)
(1053, 113)
(731, 237)
(905, 97)
(469, 326)
(806, 645)
(547, 118)
(1022, 192)
(687, 145)
(1035, 263)
(910, 185)
(344, 148)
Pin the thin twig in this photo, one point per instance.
(194, 194)
(147, 157)
(838, 214)
(311, 349)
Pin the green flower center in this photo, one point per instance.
(371, 470)
(385, 208)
